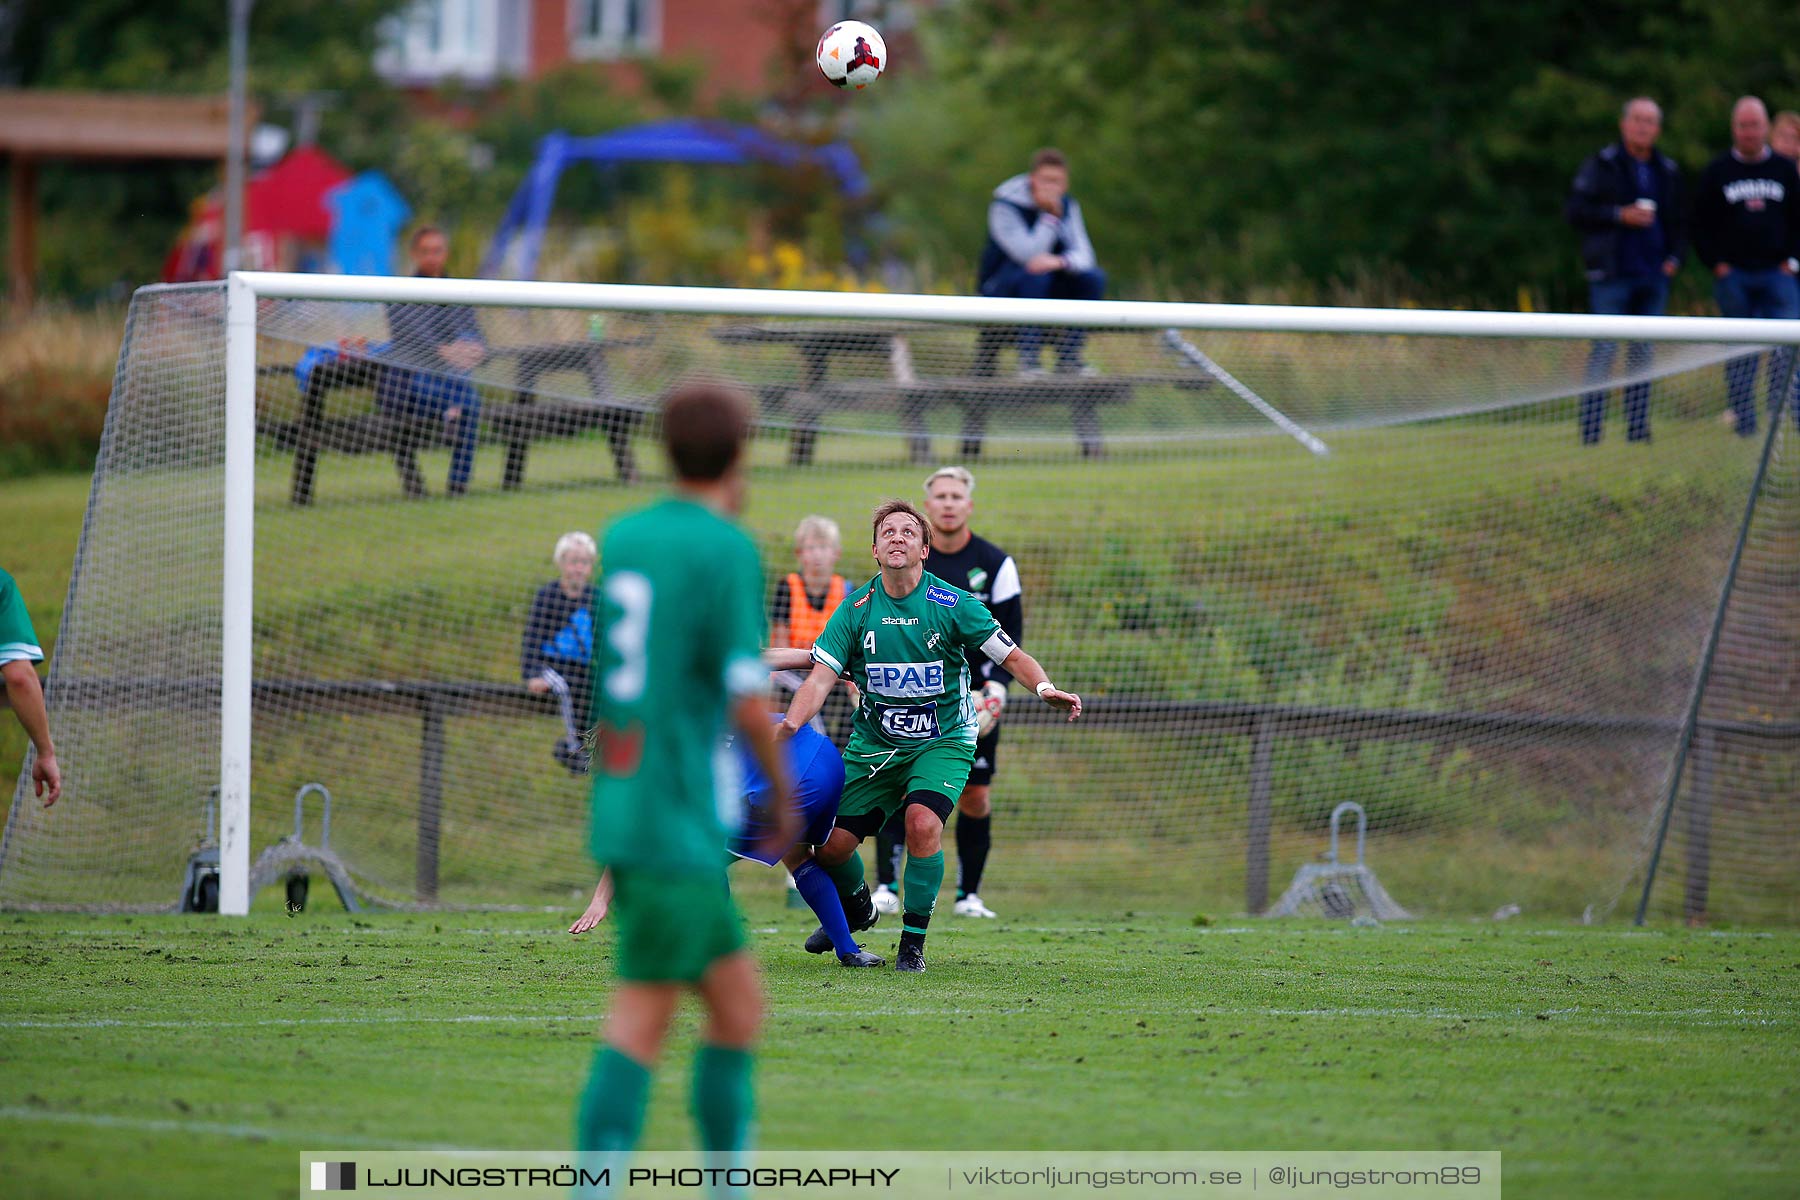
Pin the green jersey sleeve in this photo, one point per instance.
(17, 640)
(837, 641)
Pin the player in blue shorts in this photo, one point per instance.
(817, 771)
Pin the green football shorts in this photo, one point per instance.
(673, 927)
(878, 778)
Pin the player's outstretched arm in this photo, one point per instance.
(787, 658)
(1026, 670)
(596, 909)
(808, 700)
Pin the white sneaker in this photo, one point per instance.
(886, 900)
(971, 906)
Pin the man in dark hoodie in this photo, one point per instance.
(1626, 201)
(1037, 247)
(1747, 230)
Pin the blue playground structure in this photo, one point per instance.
(521, 233)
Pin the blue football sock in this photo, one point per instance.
(821, 896)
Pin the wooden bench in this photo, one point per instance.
(806, 404)
(526, 420)
(978, 396)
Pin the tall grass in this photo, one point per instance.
(56, 370)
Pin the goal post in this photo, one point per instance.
(1297, 631)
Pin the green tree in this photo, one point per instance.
(1237, 147)
(106, 227)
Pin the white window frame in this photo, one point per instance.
(889, 16)
(433, 40)
(611, 40)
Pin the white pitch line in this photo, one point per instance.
(255, 1133)
(552, 930)
(282, 1022)
(1719, 1016)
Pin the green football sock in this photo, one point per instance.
(612, 1105)
(847, 875)
(724, 1107)
(921, 881)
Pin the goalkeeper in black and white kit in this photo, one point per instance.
(987, 572)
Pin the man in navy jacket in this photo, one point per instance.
(1626, 201)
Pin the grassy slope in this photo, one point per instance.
(1601, 1063)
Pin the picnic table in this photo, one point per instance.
(817, 345)
(526, 420)
(977, 393)
(977, 396)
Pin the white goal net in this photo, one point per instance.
(1290, 558)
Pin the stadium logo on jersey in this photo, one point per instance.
(977, 579)
(914, 722)
(899, 620)
(907, 680)
(943, 596)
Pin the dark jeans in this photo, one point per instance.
(418, 395)
(1014, 281)
(1643, 297)
(1771, 294)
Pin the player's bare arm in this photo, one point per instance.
(596, 909)
(808, 700)
(787, 658)
(1026, 670)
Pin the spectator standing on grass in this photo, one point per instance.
(558, 644)
(444, 342)
(19, 650)
(1626, 201)
(1747, 231)
(1037, 248)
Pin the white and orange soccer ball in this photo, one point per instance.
(852, 55)
(990, 702)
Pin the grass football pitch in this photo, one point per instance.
(170, 1056)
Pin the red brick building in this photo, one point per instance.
(478, 42)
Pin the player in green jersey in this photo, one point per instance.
(903, 638)
(678, 636)
(19, 649)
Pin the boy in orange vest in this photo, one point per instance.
(804, 600)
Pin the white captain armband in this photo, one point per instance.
(998, 647)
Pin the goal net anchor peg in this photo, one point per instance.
(1337, 889)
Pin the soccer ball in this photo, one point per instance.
(990, 700)
(851, 54)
